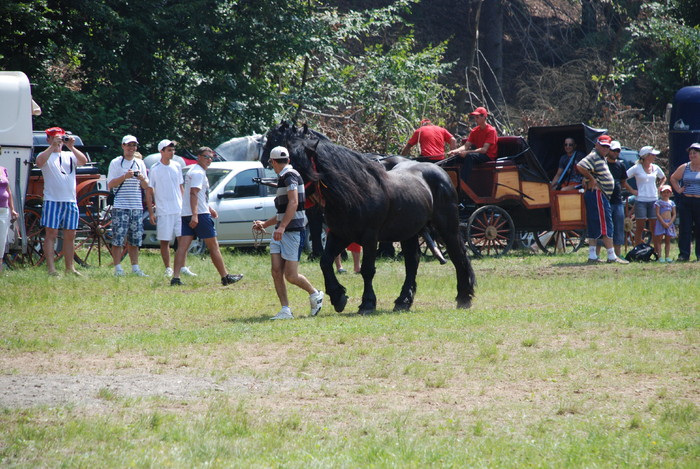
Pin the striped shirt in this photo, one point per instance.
(129, 195)
(290, 180)
(691, 181)
(598, 167)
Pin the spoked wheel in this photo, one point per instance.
(489, 232)
(35, 237)
(559, 242)
(93, 239)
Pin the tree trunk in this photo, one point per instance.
(491, 44)
(588, 21)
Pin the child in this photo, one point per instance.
(665, 216)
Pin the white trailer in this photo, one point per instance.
(16, 109)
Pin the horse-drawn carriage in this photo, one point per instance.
(513, 194)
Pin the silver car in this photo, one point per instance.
(238, 200)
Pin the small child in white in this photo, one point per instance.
(665, 229)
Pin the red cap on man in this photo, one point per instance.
(53, 131)
(480, 111)
(604, 140)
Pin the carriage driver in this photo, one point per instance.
(286, 244)
(481, 145)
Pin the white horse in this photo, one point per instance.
(242, 148)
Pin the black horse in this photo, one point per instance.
(366, 201)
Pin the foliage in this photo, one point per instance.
(661, 56)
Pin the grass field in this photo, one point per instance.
(557, 364)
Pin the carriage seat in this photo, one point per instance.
(509, 147)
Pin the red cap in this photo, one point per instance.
(604, 140)
(480, 111)
(424, 121)
(53, 131)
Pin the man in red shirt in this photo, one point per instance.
(481, 145)
(432, 140)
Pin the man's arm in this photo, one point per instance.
(406, 150)
(80, 157)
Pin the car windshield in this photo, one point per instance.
(215, 175)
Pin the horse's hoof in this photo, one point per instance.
(398, 307)
(365, 311)
(464, 304)
(340, 303)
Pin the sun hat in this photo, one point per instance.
(644, 151)
(279, 153)
(665, 188)
(693, 146)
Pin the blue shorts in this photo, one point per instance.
(598, 214)
(290, 247)
(127, 225)
(644, 210)
(205, 226)
(57, 215)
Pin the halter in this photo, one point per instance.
(317, 186)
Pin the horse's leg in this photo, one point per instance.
(411, 256)
(466, 280)
(368, 269)
(333, 288)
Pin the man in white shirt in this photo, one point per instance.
(165, 183)
(60, 209)
(127, 178)
(197, 219)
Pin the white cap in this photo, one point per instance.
(644, 151)
(129, 139)
(279, 153)
(165, 143)
(615, 145)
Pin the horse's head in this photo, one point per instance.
(299, 141)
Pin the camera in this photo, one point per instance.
(65, 138)
(137, 173)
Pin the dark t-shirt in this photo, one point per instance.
(619, 174)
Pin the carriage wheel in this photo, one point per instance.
(559, 242)
(35, 238)
(93, 239)
(489, 232)
(631, 226)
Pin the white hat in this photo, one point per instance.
(693, 146)
(644, 151)
(615, 145)
(129, 139)
(279, 153)
(165, 143)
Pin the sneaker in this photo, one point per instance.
(168, 272)
(188, 272)
(139, 273)
(597, 260)
(119, 272)
(229, 279)
(342, 271)
(618, 260)
(316, 302)
(662, 260)
(174, 282)
(669, 260)
(682, 259)
(285, 313)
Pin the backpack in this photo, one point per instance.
(641, 253)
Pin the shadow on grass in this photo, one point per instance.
(344, 314)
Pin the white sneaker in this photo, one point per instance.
(187, 271)
(285, 313)
(139, 273)
(168, 272)
(316, 302)
(118, 272)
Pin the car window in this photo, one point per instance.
(216, 175)
(270, 174)
(242, 184)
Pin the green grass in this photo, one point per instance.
(557, 364)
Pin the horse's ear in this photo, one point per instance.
(306, 130)
(311, 144)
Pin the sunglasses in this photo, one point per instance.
(568, 144)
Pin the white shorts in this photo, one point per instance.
(168, 227)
